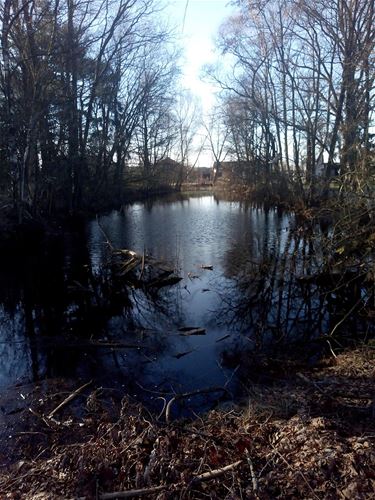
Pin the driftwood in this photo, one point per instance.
(128, 265)
(67, 341)
(104, 344)
(143, 261)
(69, 399)
(161, 282)
(141, 270)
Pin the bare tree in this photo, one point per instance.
(188, 119)
(306, 71)
(217, 135)
(73, 92)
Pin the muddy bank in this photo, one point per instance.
(306, 434)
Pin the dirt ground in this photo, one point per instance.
(309, 434)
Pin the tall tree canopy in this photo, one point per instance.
(79, 81)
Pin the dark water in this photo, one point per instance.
(55, 300)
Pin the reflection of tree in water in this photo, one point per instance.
(264, 298)
(281, 294)
(31, 294)
(53, 305)
(133, 320)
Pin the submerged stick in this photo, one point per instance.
(187, 331)
(69, 399)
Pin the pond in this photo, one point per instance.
(240, 267)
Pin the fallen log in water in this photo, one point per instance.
(139, 270)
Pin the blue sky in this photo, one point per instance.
(197, 22)
(198, 29)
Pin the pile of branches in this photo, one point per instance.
(138, 270)
(141, 271)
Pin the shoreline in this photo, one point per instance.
(306, 431)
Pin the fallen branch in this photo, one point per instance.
(133, 493)
(42, 417)
(254, 480)
(69, 399)
(206, 476)
(303, 377)
(213, 474)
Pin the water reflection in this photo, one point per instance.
(63, 313)
(265, 296)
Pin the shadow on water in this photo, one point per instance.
(62, 313)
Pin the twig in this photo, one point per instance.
(29, 433)
(187, 395)
(206, 476)
(137, 439)
(42, 417)
(330, 348)
(344, 318)
(254, 481)
(164, 406)
(104, 234)
(69, 398)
